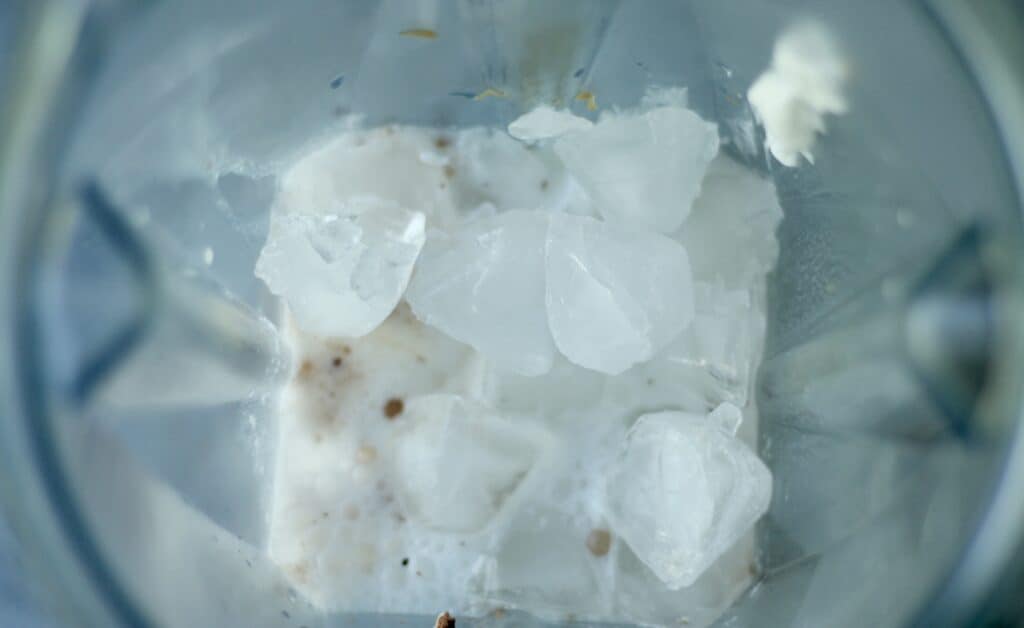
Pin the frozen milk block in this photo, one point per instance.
(458, 461)
(484, 285)
(615, 296)
(642, 169)
(682, 491)
(545, 122)
(342, 273)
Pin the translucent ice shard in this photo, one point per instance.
(342, 273)
(484, 286)
(457, 461)
(682, 492)
(615, 296)
(545, 122)
(642, 168)
(715, 356)
(735, 206)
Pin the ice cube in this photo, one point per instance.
(715, 355)
(342, 274)
(545, 122)
(542, 564)
(484, 285)
(641, 598)
(735, 206)
(615, 296)
(457, 462)
(643, 169)
(682, 492)
(367, 163)
(491, 167)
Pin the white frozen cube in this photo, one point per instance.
(682, 492)
(644, 169)
(544, 122)
(457, 462)
(615, 296)
(342, 273)
(738, 207)
(484, 285)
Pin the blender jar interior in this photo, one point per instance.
(146, 375)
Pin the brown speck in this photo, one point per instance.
(490, 92)
(444, 620)
(544, 184)
(421, 359)
(305, 369)
(325, 515)
(336, 362)
(351, 512)
(442, 142)
(405, 562)
(366, 454)
(499, 613)
(599, 541)
(393, 407)
(347, 350)
(419, 33)
(449, 171)
(588, 97)
(399, 517)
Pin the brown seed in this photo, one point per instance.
(306, 368)
(444, 620)
(599, 542)
(442, 142)
(393, 407)
(449, 171)
(544, 184)
(336, 362)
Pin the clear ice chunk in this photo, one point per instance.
(545, 122)
(541, 564)
(488, 166)
(682, 492)
(457, 462)
(735, 206)
(714, 357)
(642, 169)
(342, 273)
(484, 285)
(614, 296)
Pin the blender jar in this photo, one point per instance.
(141, 141)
